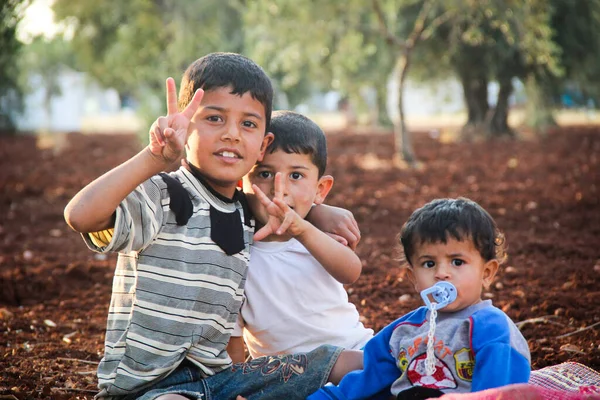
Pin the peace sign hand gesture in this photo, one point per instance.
(168, 135)
(282, 219)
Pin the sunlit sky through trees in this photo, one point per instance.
(38, 19)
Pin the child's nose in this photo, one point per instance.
(232, 132)
(442, 272)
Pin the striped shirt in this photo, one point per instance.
(175, 293)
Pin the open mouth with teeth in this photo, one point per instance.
(228, 154)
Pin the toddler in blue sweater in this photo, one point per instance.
(457, 342)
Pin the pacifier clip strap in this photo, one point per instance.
(443, 293)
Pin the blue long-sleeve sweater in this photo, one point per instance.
(476, 348)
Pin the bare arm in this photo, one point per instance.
(92, 209)
(236, 349)
(339, 261)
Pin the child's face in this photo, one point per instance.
(227, 137)
(457, 262)
(300, 180)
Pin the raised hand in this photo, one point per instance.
(168, 135)
(282, 219)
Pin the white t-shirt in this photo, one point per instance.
(293, 305)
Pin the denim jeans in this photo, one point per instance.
(292, 376)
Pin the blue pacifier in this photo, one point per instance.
(442, 292)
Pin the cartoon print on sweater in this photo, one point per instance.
(442, 378)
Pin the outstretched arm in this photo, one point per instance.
(92, 209)
(338, 260)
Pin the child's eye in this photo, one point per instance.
(296, 176)
(265, 174)
(428, 264)
(214, 118)
(457, 262)
(249, 124)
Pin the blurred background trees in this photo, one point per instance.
(355, 48)
(10, 48)
(133, 46)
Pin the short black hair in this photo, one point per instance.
(295, 133)
(221, 70)
(461, 219)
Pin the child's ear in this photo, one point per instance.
(267, 140)
(489, 272)
(411, 277)
(323, 187)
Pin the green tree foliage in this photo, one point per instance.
(324, 45)
(548, 44)
(347, 46)
(356, 43)
(134, 45)
(328, 45)
(10, 89)
(574, 27)
(495, 40)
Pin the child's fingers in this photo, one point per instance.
(262, 197)
(287, 221)
(351, 237)
(282, 205)
(338, 238)
(163, 123)
(156, 134)
(171, 97)
(278, 186)
(168, 134)
(262, 233)
(354, 229)
(348, 229)
(191, 108)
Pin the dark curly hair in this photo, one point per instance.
(461, 219)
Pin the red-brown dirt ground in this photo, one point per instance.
(544, 194)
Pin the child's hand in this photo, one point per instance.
(282, 219)
(337, 223)
(168, 135)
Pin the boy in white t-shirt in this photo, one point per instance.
(295, 300)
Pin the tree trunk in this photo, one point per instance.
(383, 118)
(538, 109)
(475, 93)
(47, 125)
(402, 139)
(498, 124)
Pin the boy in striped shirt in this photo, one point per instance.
(183, 245)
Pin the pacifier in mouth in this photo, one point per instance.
(442, 292)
